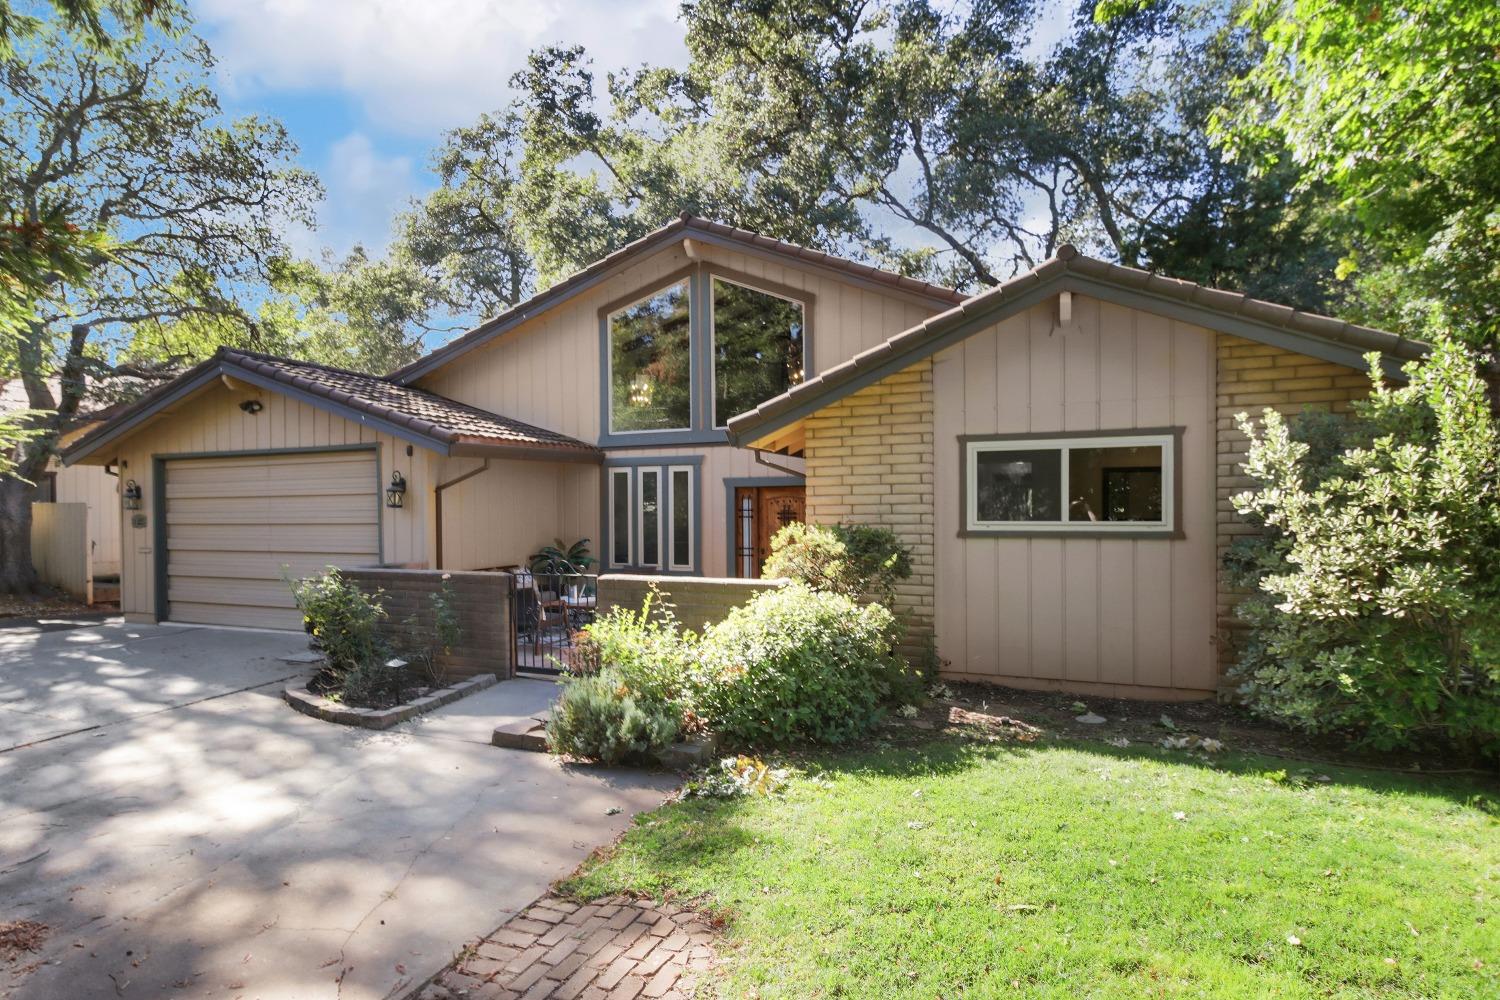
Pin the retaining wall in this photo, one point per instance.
(697, 601)
(483, 603)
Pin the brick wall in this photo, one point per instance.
(483, 603)
(697, 601)
(1252, 377)
(869, 461)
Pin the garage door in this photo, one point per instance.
(234, 525)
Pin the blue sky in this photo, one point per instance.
(367, 87)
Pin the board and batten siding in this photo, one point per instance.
(513, 508)
(546, 371)
(91, 485)
(1107, 616)
(212, 422)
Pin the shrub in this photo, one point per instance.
(645, 649)
(796, 665)
(860, 561)
(599, 717)
(341, 618)
(425, 639)
(1378, 611)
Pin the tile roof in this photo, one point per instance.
(684, 226)
(436, 420)
(424, 412)
(1210, 305)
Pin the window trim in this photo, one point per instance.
(782, 292)
(684, 278)
(616, 474)
(1169, 439)
(692, 519)
(630, 467)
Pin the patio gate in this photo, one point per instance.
(549, 611)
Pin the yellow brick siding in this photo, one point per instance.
(869, 461)
(1252, 377)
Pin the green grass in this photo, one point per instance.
(1060, 871)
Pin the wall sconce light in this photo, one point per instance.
(131, 494)
(395, 494)
(252, 406)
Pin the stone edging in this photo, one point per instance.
(304, 701)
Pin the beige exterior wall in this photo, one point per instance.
(91, 485)
(1251, 378)
(1109, 616)
(509, 511)
(870, 461)
(547, 371)
(697, 602)
(213, 422)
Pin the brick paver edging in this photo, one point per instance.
(614, 948)
(304, 701)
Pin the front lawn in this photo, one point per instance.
(1084, 870)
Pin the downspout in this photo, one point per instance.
(437, 494)
(760, 459)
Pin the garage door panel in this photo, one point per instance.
(333, 538)
(237, 528)
(263, 487)
(229, 590)
(261, 565)
(247, 616)
(288, 510)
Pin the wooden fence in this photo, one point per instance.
(60, 547)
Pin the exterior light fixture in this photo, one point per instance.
(252, 406)
(395, 494)
(131, 494)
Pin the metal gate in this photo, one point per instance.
(549, 613)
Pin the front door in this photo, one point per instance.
(760, 512)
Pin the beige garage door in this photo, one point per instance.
(234, 525)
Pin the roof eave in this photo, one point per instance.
(477, 447)
(1239, 316)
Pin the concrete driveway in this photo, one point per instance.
(181, 832)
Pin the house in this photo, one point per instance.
(1057, 451)
(91, 485)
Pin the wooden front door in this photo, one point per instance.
(760, 512)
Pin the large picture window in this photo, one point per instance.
(650, 363)
(758, 347)
(1100, 484)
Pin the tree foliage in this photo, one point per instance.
(1376, 609)
(936, 141)
(1395, 108)
(131, 145)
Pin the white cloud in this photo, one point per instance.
(365, 190)
(426, 65)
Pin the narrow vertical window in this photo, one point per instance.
(650, 532)
(650, 376)
(682, 517)
(619, 526)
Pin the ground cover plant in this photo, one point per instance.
(968, 868)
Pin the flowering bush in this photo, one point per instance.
(1378, 608)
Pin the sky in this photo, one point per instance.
(368, 87)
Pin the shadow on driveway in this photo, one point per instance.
(208, 839)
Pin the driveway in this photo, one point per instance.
(181, 832)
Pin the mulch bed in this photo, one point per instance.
(1024, 716)
(45, 604)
